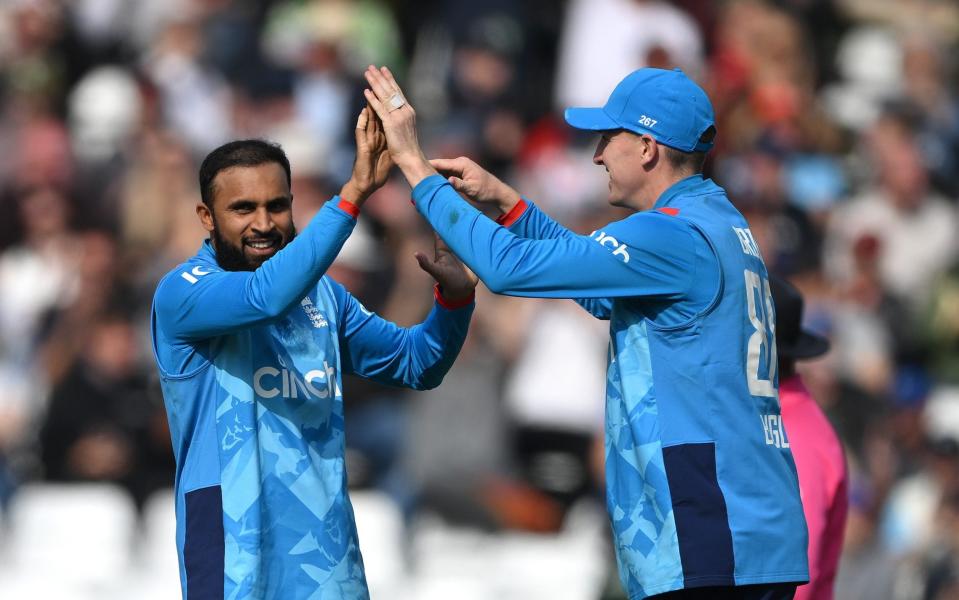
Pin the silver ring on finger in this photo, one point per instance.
(395, 101)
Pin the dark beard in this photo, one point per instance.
(230, 256)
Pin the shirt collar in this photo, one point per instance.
(207, 253)
(680, 187)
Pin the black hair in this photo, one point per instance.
(690, 162)
(240, 153)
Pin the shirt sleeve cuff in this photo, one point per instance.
(514, 214)
(452, 304)
(348, 207)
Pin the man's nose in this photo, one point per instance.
(262, 221)
(598, 154)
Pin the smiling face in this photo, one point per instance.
(627, 158)
(251, 217)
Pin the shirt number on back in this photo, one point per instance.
(759, 302)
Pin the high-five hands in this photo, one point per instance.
(456, 281)
(399, 124)
(372, 164)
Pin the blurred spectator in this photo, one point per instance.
(867, 569)
(16, 410)
(911, 520)
(869, 62)
(558, 176)
(553, 398)
(195, 99)
(327, 43)
(102, 424)
(935, 573)
(926, 70)
(100, 288)
(33, 63)
(105, 109)
(863, 317)
(941, 327)
(938, 19)
(157, 212)
(45, 259)
(896, 209)
(457, 444)
(377, 417)
(763, 80)
(760, 184)
(604, 40)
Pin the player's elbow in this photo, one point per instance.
(494, 286)
(271, 306)
(426, 385)
(496, 282)
(431, 378)
(273, 310)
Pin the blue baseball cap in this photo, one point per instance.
(664, 104)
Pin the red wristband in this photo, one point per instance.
(452, 304)
(513, 215)
(349, 208)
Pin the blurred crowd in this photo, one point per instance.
(838, 138)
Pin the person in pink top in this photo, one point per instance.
(815, 446)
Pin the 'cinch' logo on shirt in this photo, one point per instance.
(269, 382)
(611, 242)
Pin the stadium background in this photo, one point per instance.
(838, 138)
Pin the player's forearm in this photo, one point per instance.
(353, 194)
(415, 167)
(528, 221)
(286, 278)
(437, 342)
(415, 357)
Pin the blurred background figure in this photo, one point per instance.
(838, 127)
(820, 463)
(103, 424)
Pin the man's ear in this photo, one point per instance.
(206, 216)
(649, 150)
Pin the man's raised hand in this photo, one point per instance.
(372, 165)
(399, 123)
(476, 183)
(456, 281)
